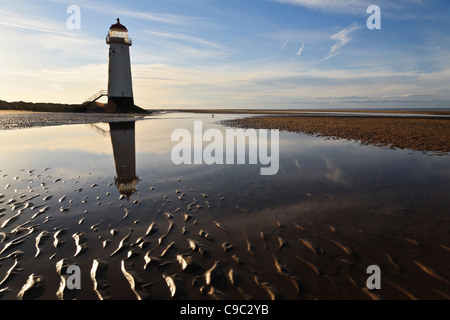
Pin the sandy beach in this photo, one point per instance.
(26, 119)
(421, 134)
(223, 232)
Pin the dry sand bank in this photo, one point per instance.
(423, 134)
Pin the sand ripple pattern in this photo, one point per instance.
(198, 246)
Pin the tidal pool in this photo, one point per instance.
(107, 198)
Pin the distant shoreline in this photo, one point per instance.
(444, 112)
(23, 106)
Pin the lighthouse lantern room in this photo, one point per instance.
(120, 89)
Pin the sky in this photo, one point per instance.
(278, 54)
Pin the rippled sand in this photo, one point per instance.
(178, 244)
(180, 240)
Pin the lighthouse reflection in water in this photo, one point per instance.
(123, 143)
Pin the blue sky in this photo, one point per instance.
(233, 53)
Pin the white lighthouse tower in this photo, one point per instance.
(120, 89)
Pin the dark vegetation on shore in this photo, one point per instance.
(60, 107)
(42, 106)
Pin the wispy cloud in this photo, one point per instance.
(341, 38)
(28, 23)
(267, 85)
(106, 8)
(156, 17)
(183, 48)
(299, 52)
(397, 10)
(21, 30)
(285, 44)
(187, 38)
(347, 6)
(280, 85)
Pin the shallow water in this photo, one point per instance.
(361, 205)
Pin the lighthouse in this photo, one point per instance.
(123, 143)
(120, 89)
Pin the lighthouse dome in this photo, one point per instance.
(118, 33)
(118, 26)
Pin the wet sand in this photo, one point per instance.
(422, 134)
(186, 243)
(182, 239)
(10, 120)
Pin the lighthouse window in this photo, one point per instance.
(118, 34)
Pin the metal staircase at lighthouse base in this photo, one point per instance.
(111, 106)
(96, 96)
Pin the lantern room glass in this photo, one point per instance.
(119, 34)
